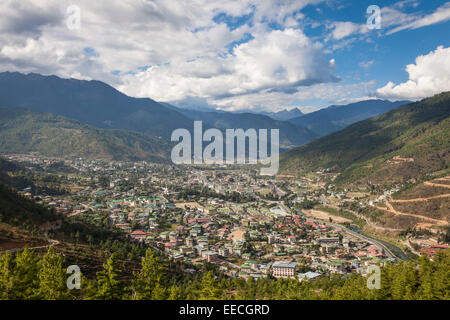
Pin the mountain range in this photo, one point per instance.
(100, 105)
(68, 117)
(92, 102)
(408, 142)
(335, 118)
(290, 135)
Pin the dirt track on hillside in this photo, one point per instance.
(370, 223)
(421, 199)
(392, 210)
(427, 183)
(51, 243)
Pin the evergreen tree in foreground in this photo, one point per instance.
(110, 287)
(52, 278)
(151, 282)
(23, 275)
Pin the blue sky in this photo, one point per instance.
(236, 54)
(375, 57)
(388, 54)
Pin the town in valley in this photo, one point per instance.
(229, 217)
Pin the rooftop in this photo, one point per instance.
(284, 264)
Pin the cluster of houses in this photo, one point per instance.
(256, 238)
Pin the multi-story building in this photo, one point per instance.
(284, 269)
(224, 252)
(211, 256)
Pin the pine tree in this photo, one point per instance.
(441, 276)
(175, 293)
(385, 291)
(209, 289)
(26, 281)
(6, 275)
(109, 285)
(151, 280)
(88, 289)
(426, 271)
(52, 278)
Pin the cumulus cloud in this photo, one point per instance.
(27, 19)
(273, 61)
(167, 51)
(268, 100)
(428, 76)
(126, 34)
(223, 54)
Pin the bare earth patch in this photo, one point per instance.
(322, 215)
(237, 234)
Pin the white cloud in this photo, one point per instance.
(366, 64)
(268, 100)
(183, 51)
(406, 3)
(391, 16)
(392, 20)
(176, 51)
(277, 60)
(428, 76)
(127, 34)
(413, 22)
(343, 29)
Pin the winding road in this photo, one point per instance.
(372, 241)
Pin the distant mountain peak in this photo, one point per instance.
(337, 117)
(285, 114)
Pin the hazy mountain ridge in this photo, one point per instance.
(98, 104)
(285, 115)
(337, 117)
(290, 134)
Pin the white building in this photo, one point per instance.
(284, 269)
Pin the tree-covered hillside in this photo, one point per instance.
(17, 210)
(92, 102)
(25, 275)
(407, 142)
(26, 131)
